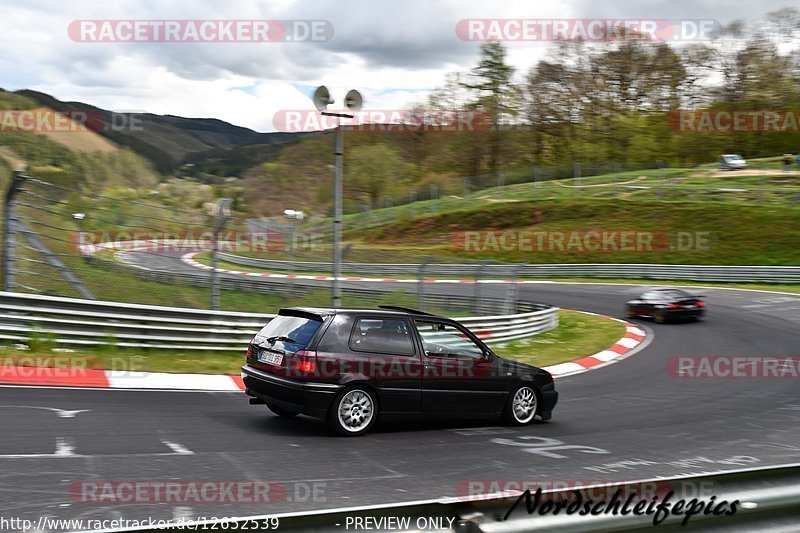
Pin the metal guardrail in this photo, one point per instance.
(766, 274)
(70, 321)
(267, 285)
(74, 321)
(767, 499)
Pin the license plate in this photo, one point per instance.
(270, 358)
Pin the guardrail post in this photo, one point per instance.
(292, 244)
(421, 283)
(222, 212)
(512, 294)
(10, 229)
(388, 204)
(501, 181)
(477, 293)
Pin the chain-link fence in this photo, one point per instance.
(62, 241)
(649, 181)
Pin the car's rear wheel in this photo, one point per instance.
(280, 411)
(522, 406)
(354, 411)
(659, 318)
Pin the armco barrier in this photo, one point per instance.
(72, 321)
(267, 285)
(766, 499)
(765, 274)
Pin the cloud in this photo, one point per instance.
(393, 52)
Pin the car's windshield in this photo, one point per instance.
(675, 294)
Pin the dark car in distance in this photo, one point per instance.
(350, 366)
(663, 305)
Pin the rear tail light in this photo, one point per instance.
(250, 350)
(701, 304)
(674, 306)
(306, 366)
(305, 361)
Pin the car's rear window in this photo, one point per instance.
(300, 329)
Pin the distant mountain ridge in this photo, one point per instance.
(168, 140)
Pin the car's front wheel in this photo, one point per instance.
(280, 411)
(522, 406)
(354, 411)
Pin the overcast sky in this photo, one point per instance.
(393, 52)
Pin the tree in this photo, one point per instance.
(370, 169)
(495, 94)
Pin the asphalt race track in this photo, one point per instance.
(629, 420)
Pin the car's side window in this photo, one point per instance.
(443, 339)
(381, 335)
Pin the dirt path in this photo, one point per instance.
(746, 172)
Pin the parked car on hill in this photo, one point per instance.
(731, 162)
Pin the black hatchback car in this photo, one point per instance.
(349, 366)
(664, 305)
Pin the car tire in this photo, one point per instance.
(281, 412)
(629, 313)
(354, 411)
(522, 406)
(659, 318)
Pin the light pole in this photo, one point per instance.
(352, 102)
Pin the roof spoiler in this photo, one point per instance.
(404, 309)
(303, 313)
